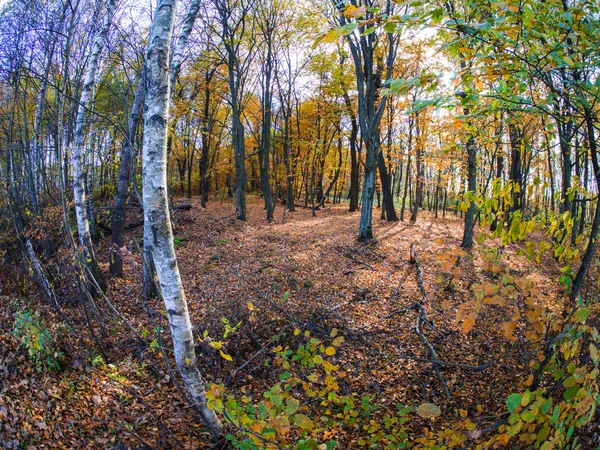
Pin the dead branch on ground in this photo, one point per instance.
(422, 320)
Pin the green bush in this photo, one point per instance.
(36, 339)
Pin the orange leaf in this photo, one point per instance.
(509, 328)
(469, 323)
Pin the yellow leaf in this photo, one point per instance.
(568, 60)
(502, 439)
(338, 341)
(330, 351)
(225, 355)
(509, 328)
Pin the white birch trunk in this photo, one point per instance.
(79, 172)
(182, 40)
(175, 68)
(157, 222)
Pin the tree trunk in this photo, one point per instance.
(495, 211)
(388, 198)
(156, 209)
(206, 133)
(365, 229)
(287, 155)
(335, 176)
(267, 99)
(406, 184)
(467, 241)
(79, 171)
(515, 167)
(419, 177)
(590, 250)
(118, 222)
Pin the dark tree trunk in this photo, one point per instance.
(406, 184)
(354, 157)
(388, 198)
(467, 241)
(590, 250)
(516, 175)
(499, 170)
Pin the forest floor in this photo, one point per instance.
(308, 273)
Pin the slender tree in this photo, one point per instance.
(235, 19)
(79, 169)
(157, 219)
(371, 105)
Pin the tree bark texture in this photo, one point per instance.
(79, 170)
(156, 209)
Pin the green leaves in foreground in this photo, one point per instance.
(513, 401)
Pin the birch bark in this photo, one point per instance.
(175, 69)
(79, 172)
(157, 222)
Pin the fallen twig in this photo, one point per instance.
(422, 320)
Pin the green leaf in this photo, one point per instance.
(546, 406)
(583, 314)
(303, 421)
(569, 382)
(390, 27)
(292, 406)
(571, 392)
(513, 401)
(543, 434)
(437, 15)
(368, 31)
(529, 416)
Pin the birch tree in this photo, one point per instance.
(79, 172)
(174, 70)
(156, 210)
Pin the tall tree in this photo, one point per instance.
(118, 222)
(268, 21)
(79, 169)
(235, 19)
(364, 48)
(156, 208)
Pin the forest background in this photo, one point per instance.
(269, 224)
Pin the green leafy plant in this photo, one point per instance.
(306, 405)
(36, 339)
